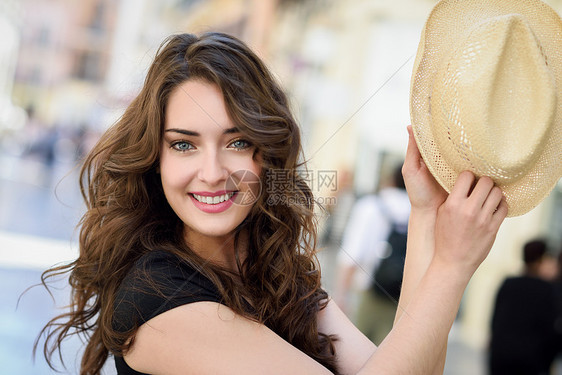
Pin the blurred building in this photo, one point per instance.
(63, 58)
(11, 116)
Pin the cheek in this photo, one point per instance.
(254, 167)
(169, 183)
(257, 165)
(173, 175)
(252, 164)
(236, 164)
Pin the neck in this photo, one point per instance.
(220, 250)
(532, 270)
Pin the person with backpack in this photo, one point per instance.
(371, 258)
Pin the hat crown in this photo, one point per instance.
(485, 106)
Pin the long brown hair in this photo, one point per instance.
(127, 214)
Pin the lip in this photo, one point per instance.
(212, 193)
(213, 208)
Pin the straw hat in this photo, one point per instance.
(486, 96)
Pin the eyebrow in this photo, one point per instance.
(195, 134)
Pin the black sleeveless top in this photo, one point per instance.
(158, 281)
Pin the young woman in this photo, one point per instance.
(187, 266)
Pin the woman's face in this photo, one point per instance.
(207, 168)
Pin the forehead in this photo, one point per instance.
(197, 104)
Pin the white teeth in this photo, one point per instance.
(213, 200)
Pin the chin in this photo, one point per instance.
(216, 229)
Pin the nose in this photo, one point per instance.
(212, 169)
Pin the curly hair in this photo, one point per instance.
(127, 214)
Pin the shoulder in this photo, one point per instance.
(365, 206)
(157, 282)
(512, 282)
(187, 339)
(394, 194)
(520, 287)
(368, 200)
(518, 281)
(395, 203)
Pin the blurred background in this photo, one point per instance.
(69, 68)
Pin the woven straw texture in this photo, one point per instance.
(486, 96)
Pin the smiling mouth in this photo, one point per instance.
(213, 200)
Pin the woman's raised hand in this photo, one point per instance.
(425, 193)
(468, 221)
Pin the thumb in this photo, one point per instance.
(413, 157)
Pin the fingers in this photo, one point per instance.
(493, 200)
(412, 152)
(500, 214)
(463, 185)
(482, 193)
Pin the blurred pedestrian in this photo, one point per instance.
(523, 339)
(365, 246)
(558, 304)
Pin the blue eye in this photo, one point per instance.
(182, 146)
(240, 144)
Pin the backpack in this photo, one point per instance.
(387, 277)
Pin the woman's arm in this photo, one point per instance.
(209, 338)
(465, 229)
(426, 196)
